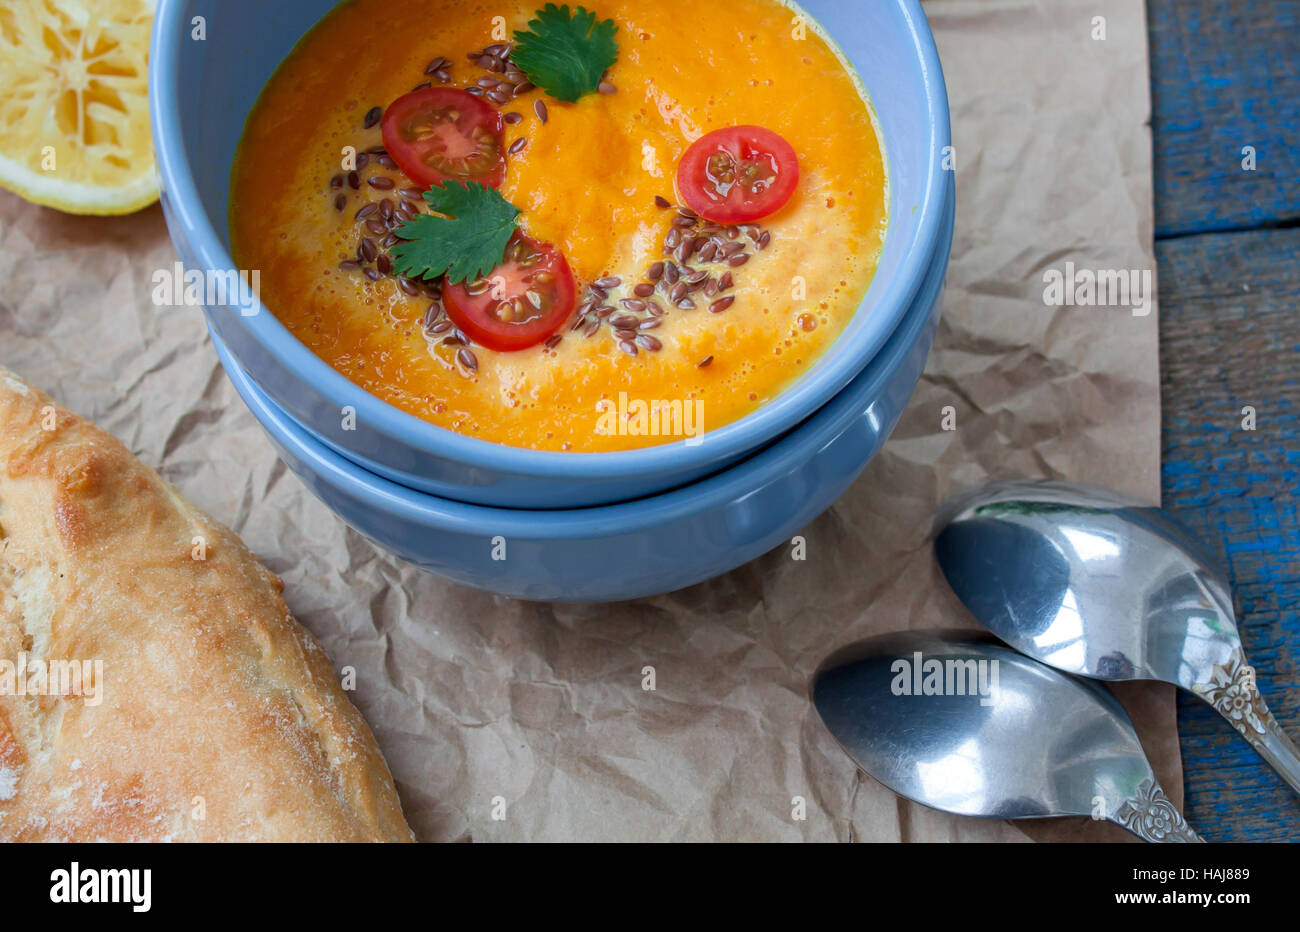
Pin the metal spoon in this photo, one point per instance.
(1007, 738)
(1105, 586)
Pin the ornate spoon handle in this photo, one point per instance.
(1234, 695)
(1151, 816)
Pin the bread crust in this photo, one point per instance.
(219, 717)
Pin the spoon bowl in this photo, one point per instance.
(959, 722)
(1104, 586)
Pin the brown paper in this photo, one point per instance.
(489, 707)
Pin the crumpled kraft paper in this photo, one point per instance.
(504, 720)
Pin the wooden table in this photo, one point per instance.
(1225, 75)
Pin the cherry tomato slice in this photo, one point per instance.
(442, 133)
(527, 298)
(738, 175)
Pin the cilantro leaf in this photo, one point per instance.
(566, 54)
(467, 243)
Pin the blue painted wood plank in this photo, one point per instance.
(1230, 339)
(1225, 74)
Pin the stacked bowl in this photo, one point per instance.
(571, 527)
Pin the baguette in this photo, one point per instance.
(203, 711)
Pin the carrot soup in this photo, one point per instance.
(534, 224)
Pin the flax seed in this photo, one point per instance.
(539, 107)
(373, 116)
(722, 304)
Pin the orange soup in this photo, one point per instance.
(672, 311)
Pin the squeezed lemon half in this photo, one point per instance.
(74, 111)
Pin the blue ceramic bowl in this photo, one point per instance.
(654, 545)
(200, 95)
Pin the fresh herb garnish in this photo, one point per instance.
(468, 242)
(566, 54)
